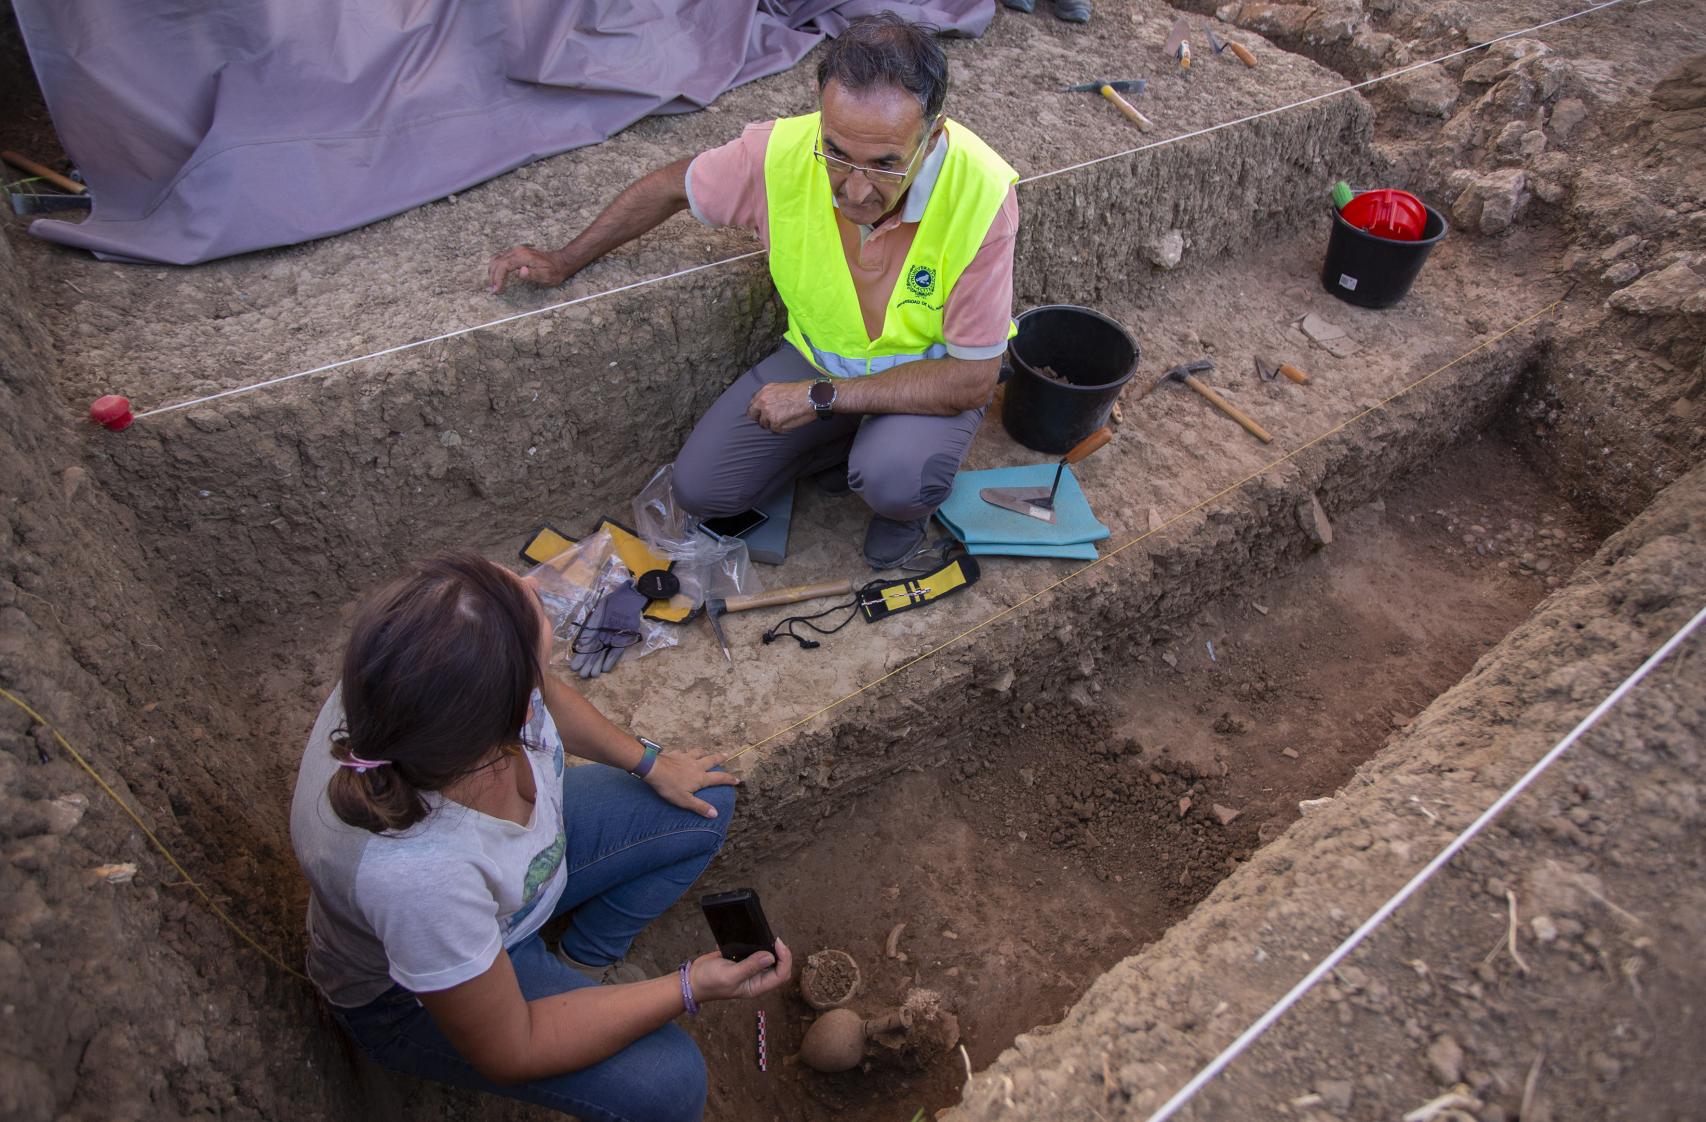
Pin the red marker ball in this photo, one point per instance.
(112, 411)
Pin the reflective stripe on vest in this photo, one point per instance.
(809, 265)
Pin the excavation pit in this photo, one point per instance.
(1029, 855)
(177, 593)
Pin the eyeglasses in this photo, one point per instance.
(872, 175)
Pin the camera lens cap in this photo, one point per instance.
(658, 584)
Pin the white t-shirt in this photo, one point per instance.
(427, 907)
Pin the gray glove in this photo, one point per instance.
(612, 628)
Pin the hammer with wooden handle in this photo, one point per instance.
(1185, 373)
(1112, 90)
(24, 163)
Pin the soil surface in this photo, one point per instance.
(1027, 867)
(174, 598)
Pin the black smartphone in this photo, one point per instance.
(734, 525)
(737, 923)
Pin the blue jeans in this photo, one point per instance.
(631, 855)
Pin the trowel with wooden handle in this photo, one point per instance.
(1038, 502)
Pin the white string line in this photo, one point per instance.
(1376, 80)
(1262, 1023)
(449, 334)
(759, 252)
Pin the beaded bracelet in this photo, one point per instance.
(687, 990)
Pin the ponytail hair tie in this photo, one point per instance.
(360, 765)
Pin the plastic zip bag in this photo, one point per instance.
(709, 567)
(571, 586)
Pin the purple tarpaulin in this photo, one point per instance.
(208, 129)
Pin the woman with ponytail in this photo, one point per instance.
(439, 831)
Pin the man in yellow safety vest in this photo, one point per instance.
(890, 230)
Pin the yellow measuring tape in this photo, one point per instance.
(242, 934)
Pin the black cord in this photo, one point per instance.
(786, 626)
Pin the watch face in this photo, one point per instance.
(823, 394)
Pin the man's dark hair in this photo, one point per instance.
(886, 50)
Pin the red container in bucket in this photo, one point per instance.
(1388, 213)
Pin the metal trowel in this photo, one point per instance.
(1038, 502)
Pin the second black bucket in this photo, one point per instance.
(1373, 272)
(1094, 358)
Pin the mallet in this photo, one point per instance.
(1185, 372)
(1112, 91)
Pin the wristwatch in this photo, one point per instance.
(822, 394)
(647, 758)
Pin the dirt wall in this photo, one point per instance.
(125, 998)
(1602, 860)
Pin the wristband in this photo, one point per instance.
(648, 758)
(687, 990)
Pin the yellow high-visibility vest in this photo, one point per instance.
(809, 266)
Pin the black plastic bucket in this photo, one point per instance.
(1095, 355)
(1376, 272)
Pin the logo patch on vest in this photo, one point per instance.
(921, 280)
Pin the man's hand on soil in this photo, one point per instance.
(531, 265)
(677, 776)
(783, 406)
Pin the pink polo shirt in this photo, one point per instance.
(725, 187)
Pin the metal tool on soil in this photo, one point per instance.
(1185, 372)
(1217, 44)
(76, 195)
(1179, 42)
(1112, 90)
(1269, 373)
(1038, 502)
(716, 609)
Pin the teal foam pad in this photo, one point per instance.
(987, 529)
(1081, 551)
(767, 544)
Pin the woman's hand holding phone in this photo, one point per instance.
(715, 978)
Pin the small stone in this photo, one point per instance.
(1028, 776)
(121, 873)
(1314, 521)
(1310, 806)
(1166, 251)
(1545, 931)
(1184, 804)
(948, 933)
(1428, 92)
(450, 438)
(70, 480)
(1336, 1093)
(1330, 336)
(1445, 1058)
(1622, 247)
(1567, 115)
(65, 812)
(1677, 290)
(1260, 608)
(1170, 659)
(1225, 814)
(1621, 273)
(1289, 753)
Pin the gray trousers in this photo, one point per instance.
(901, 464)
